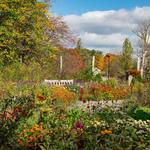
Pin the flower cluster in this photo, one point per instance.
(62, 93)
(30, 136)
(120, 93)
(78, 127)
(12, 114)
(141, 124)
(97, 123)
(116, 93)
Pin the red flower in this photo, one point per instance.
(41, 97)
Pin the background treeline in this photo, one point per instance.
(32, 40)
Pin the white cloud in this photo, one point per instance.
(106, 29)
(113, 40)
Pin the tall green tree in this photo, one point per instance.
(79, 44)
(126, 56)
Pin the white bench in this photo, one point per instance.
(58, 82)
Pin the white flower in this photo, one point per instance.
(119, 121)
(95, 125)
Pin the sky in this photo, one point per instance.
(103, 24)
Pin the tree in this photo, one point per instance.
(115, 68)
(59, 35)
(79, 44)
(126, 56)
(72, 63)
(28, 32)
(99, 63)
(18, 23)
(142, 31)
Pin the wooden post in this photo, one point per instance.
(93, 63)
(130, 77)
(108, 65)
(61, 65)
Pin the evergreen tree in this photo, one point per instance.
(126, 56)
(79, 44)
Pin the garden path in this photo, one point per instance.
(88, 105)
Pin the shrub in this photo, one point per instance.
(140, 113)
(111, 82)
(12, 111)
(141, 91)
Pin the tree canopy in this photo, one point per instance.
(28, 30)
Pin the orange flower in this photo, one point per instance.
(31, 130)
(106, 132)
(39, 128)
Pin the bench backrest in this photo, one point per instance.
(58, 82)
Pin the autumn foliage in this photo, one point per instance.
(72, 62)
(103, 61)
(134, 72)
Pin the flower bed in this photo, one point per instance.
(43, 120)
(58, 128)
(105, 92)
